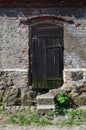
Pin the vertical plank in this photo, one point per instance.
(34, 61)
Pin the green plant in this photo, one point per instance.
(29, 118)
(75, 117)
(61, 103)
(60, 110)
(62, 99)
(23, 120)
(48, 116)
(36, 119)
(44, 122)
(12, 119)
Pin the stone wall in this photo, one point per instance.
(75, 53)
(17, 78)
(74, 77)
(14, 48)
(14, 43)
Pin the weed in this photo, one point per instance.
(12, 119)
(48, 116)
(61, 103)
(30, 118)
(36, 119)
(62, 99)
(23, 120)
(44, 122)
(60, 110)
(75, 117)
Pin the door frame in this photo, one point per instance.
(30, 41)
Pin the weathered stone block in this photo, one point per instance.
(77, 75)
(74, 77)
(28, 98)
(11, 96)
(45, 103)
(80, 100)
(14, 77)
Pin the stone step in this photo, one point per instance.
(45, 99)
(45, 104)
(42, 109)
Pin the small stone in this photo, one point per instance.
(55, 92)
(33, 108)
(68, 90)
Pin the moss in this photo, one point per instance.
(55, 83)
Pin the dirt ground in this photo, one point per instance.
(16, 127)
(6, 125)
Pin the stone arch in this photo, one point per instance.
(44, 18)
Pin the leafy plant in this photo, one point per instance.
(62, 99)
(60, 110)
(23, 120)
(12, 119)
(61, 103)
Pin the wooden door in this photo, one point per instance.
(47, 57)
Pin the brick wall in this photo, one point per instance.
(41, 4)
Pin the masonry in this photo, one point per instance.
(15, 41)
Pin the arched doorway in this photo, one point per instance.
(46, 55)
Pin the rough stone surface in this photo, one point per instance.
(11, 96)
(17, 78)
(77, 95)
(74, 78)
(80, 100)
(55, 92)
(14, 96)
(28, 98)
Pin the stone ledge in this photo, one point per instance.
(46, 107)
(45, 96)
(75, 69)
(15, 69)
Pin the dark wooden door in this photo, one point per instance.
(47, 57)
